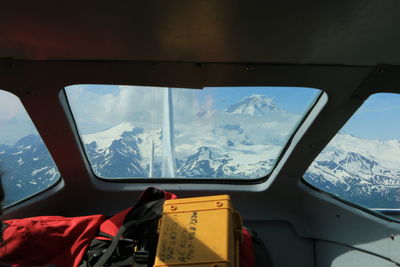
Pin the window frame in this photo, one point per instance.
(371, 211)
(174, 181)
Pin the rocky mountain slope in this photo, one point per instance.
(28, 168)
(359, 170)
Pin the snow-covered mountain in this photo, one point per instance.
(359, 170)
(235, 143)
(28, 168)
(255, 105)
(242, 141)
(128, 154)
(205, 164)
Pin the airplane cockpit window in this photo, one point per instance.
(27, 166)
(214, 132)
(361, 164)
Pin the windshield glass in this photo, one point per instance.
(219, 132)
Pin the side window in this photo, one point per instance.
(25, 162)
(362, 162)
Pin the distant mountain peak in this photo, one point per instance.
(254, 105)
(202, 153)
(28, 140)
(105, 138)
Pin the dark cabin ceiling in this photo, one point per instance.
(288, 32)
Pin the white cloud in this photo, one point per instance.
(136, 104)
(14, 120)
(10, 106)
(98, 109)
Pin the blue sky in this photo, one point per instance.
(129, 103)
(14, 121)
(291, 99)
(285, 97)
(377, 119)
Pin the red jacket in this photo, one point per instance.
(63, 241)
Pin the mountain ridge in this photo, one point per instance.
(255, 105)
(242, 144)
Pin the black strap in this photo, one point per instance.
(104, 235)
(141, 258)
(147, 212)
(2, 228)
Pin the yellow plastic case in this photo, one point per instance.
(200, 231)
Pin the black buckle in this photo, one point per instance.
(141, 256)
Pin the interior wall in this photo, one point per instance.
(286, 248)
(267, 207)
(334, 255)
